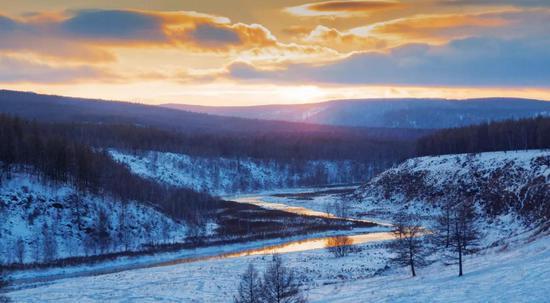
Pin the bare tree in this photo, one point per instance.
(339, 246)
(339, 208)
(464, 233)
(103, 231)
(442, 226)
(20, 250)
(409, 247)
(250, 288)
(123, 233)
(280, 284)
(49, 244)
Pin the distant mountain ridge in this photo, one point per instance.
(388, 113)
(60, 109)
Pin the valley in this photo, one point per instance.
(211, 275)
(296, 151)
(150, 211)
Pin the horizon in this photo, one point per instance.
(161, 104)
(275, 52)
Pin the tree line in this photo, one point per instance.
(57, 158)
(533, 133)
(282, 146)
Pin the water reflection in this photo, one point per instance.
(292, 246)
(257, 200)
(279, 206)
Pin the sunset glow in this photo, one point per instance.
(260, 52)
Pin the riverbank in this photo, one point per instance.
(301, 232)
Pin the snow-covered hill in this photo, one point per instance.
(237, 175)
(511, 189)
(43, 221)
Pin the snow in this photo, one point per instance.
(514, 266)
(204, 281)
(506, 174)
(519, 272)
(224, 176)
(27, 204)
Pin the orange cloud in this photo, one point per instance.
(343, 8)
(343, 41)
(432, 28)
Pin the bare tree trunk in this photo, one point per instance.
(460, 259)
(411, 260)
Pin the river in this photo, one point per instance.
(271, 246)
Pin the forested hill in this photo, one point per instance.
(497, 136)
(51, 108)
(395, 113)
(34, 147)
(135, 126)
(61, 198)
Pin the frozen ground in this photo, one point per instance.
(517, 273)
(205, 281)
(517, 270)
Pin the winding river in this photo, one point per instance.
(281, 246)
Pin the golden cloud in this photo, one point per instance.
(342, 8)
(435, 29)
(343, 41)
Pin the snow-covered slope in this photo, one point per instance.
(42, 222)
(232, 175)
(515, 273)
(511, 189)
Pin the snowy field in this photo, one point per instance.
(519, 273)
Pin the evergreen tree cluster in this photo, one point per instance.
(507, 135)
(281, 146)
(58, 158)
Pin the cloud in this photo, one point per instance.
(44, 40)
(432, 28)
(15, 70)
(466, 62)
(210, 34)
(342, 8)
(7, 24)
(525, 3)
(442, 28)
(94, 33)
(343, 41)
(115, 25)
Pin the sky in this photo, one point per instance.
(251, 52)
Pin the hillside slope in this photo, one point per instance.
(393, 113)
(241, 175)
(45, 221)
(60, 109)
(510, 189)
